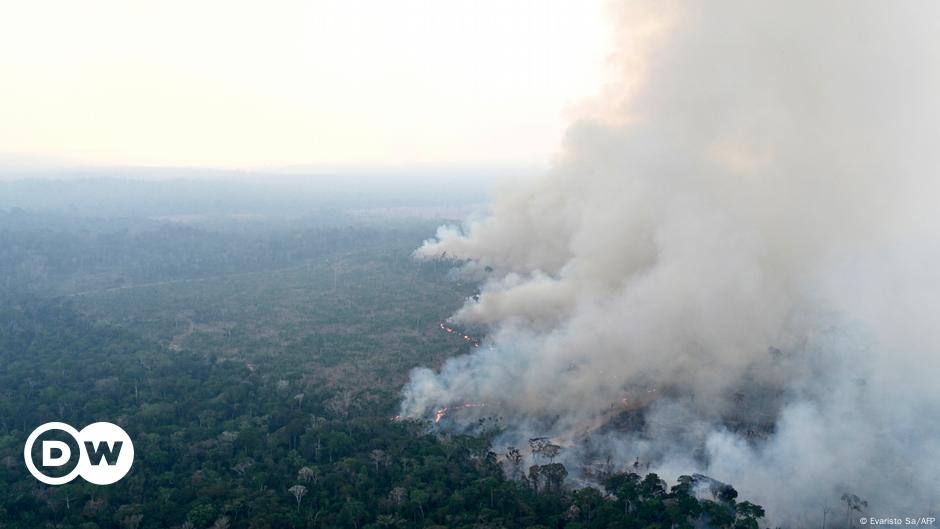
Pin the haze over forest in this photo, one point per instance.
(471, 265)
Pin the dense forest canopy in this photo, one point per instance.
(256, 362)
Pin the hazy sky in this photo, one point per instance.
(246, 84)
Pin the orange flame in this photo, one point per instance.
(439, 414)
(466, 337)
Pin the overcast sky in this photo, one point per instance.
(233, 84)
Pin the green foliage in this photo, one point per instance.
(264, 399)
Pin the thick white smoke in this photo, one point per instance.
(741, 239)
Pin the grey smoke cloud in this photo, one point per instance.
(739, 238)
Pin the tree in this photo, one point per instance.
(132, 521)
(727, 494)
(588, 501)
(555, 474)
(419, 498)
(299, 491)
(378, 457)
(852, 503)
(718, 514)
(514, 457)
(543, 447)
(397, 496)
(306, 474)
(535, 477)
(747, 514)
(652, 487)
(551, 451)
(352, 513)
(389, 521)
(625, 486)
(201, 515)
(340, 404)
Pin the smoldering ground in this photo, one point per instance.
(743, 223)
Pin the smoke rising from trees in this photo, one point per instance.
(739, 239)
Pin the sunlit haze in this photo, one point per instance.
(465, 264)
(322, 83)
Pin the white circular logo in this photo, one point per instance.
(105, 453)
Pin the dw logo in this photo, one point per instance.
(105, 453)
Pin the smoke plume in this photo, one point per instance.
(732, 267)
